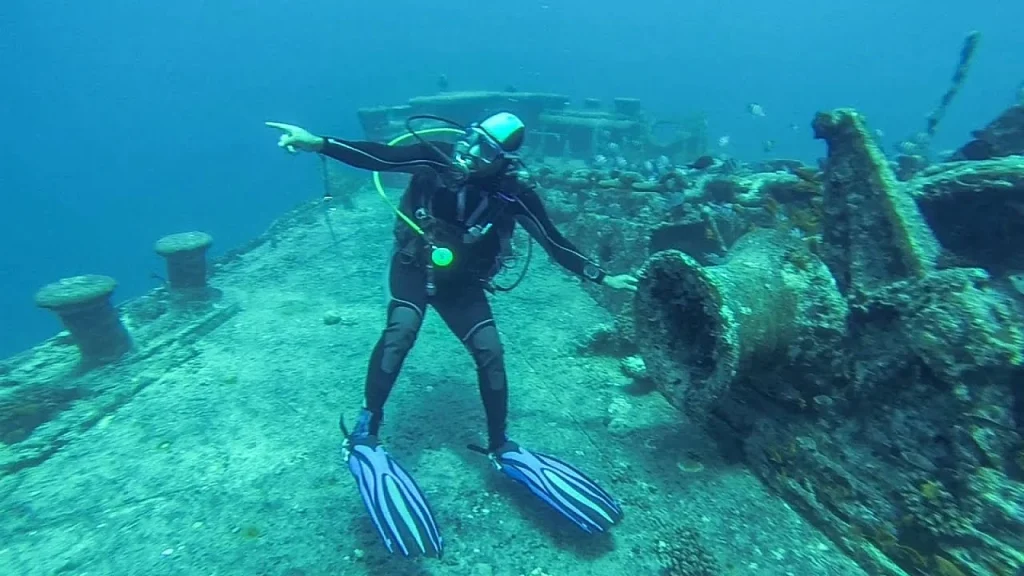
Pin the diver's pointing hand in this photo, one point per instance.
(621, 282)
(296, 138)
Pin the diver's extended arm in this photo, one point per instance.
(534, 218)
(384, 158)
(366, 155)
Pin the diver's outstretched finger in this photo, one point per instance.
(280, 126)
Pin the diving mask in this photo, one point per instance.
(477, 149)
(479, 146)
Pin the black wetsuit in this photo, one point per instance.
(448, 210)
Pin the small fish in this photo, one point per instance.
(768, 145)
(879, 134)
(723, 141)
(621, 163)
(756, 109)
(703, 162)
(1017, 281)
(794, 127)
(806, 173)
(442, 83)
(908, 147)
(916, 145)
(600, 160)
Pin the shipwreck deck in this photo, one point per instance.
(214, 448)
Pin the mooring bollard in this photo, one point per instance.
(84, 307)
(186, 259)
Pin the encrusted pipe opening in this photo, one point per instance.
(769, 311)
(84, 307)
(688, 324)
(686, 335)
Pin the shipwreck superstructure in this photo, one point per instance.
(557, 128)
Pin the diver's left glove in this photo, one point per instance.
(295, 138)
(621, 282)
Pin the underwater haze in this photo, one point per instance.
(683, 288)
(125, 121)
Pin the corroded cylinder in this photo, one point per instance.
(84, 307)
(186, 259)
(702, 328)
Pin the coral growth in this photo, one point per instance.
(722, 190)
(681, 553)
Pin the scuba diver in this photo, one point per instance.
(452, 236)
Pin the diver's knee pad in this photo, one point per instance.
(485, 346)
(399, 336)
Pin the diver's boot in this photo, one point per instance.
(397, 506)
(561, 485)
(366, 424)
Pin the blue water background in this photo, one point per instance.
(126, 120)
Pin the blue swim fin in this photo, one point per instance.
(559, 484)
(396, 505)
